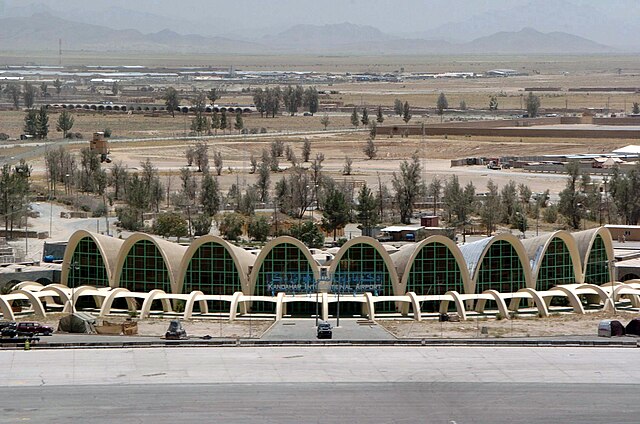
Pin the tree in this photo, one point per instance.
(215, 121)
(28, 95)
(118, 179)
(201, 225)
(636, 108)
(370, 149)
(223, 121)
(189, 185)
(273, 96)
(171, 100)
(65, 122)
(215, 93)
(311, 100)
(490, 210)
(309, 234)
(373, 130)
(210, 195)
(408, 186)
(264, 178)
(259, 228)
(406, 113)
(170, 224)
(458, 203)
(324, 121)
(44, 87)
(348, 162)
(365, 117)
(260, 101)
(441, 105)
(200, 154)
(571, 203)
(533, 104)
(509, 202)
(379, 116)
(239, 125)
(217, 162)
(199, 123)
(433, 191)
(42, 123)
(14, 93)
(398, 107)
(624, 192)
(57, 84)
(306, 150)
(463, 105)
(493, 103)
(31, 122)
(231, 226)
(115, 88)
(366, 210)
(292, 98)
(355, 121)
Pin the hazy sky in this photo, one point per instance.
(392, 16)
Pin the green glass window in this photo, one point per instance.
(87, 266)
(285, 269)
(144, 269)
(212, 271)
(597, 271)
(500, 269)
(556, 267)
(434, 271)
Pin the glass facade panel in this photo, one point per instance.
(434, 271)
(556, 267)
(87, 267)
(144, 269)
(597, 271)
(501, 269)
(212, 271)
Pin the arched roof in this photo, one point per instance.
(269, 247)
(109, 248)
(172, 254)
(379, 248)
(586, 239)
(475, 252)
(404, 258)
(241, 258)
(536, 248)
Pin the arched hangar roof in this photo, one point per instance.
(109, 248)
(391, 269)
(405, 257)
(172, 254)
(536, 248)
(242, 259)
(475, 252)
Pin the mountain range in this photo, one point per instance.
(42, 30)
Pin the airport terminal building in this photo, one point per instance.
(286, 277)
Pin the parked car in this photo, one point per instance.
(5, 324)
(175, 331)
(34, 328)
(324, 331)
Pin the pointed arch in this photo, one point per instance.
(596, 253)
(89, 259)
(498, 263)
(554, 259)
(364, 261)
(145, 263)
(214, 266)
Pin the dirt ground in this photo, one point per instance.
(566, 324)
(157, 327)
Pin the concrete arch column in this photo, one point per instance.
(502, 306)
(444, 304)
(538, 300)
(573, 298)
(188, 306)
(415, 304)
(108, 301)
(280, 308)
(371, 306)
(7, 312)
(233, 309)
(36, 304)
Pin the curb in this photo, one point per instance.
(631, 343)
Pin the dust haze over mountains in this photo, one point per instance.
(338, 26)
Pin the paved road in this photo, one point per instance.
(305, 329)
(319, 384)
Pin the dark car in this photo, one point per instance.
(175, 331)
(5, 324)
(33, 328)
(324, 331)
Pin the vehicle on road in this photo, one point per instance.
(324, 331)
(33, 328)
